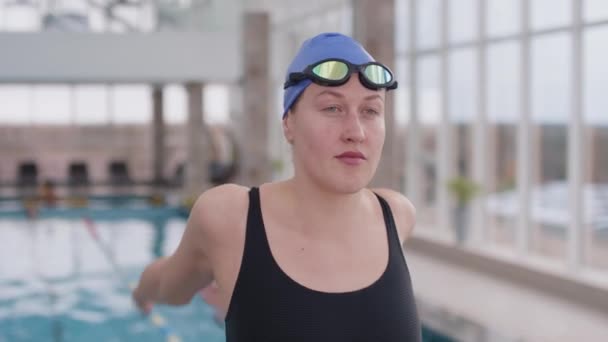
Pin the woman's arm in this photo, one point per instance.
(176, 279)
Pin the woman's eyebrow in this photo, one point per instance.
(373, 96)
(340, 95)
(330, 92)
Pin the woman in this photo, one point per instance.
(316, 257)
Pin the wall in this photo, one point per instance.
(54, 147)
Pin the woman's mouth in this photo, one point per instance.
(351, 158)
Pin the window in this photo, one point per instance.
(216, 103)
(551, 100)
(595, 145)
(595, 10)
(463, 91)
(463, 96)
(402, 93)
(16, 104)
(131, 104)
(175, 104)
(429, 113)
(51, 104)
(19, 17)
(463, 15)
(428, 29)
(503, 17)
(550, 13)
(90, 104)
(402, 26)
(504, 112)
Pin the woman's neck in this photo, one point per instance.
(315, 204)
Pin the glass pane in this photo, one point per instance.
(550, 13)
(402, 26)
(124, 19)
(463, 94)
(147, 17)
(70, 15)
(131, 104)
(51, 104)
(205, 15)
(20, 18)
(98, 22)
(429, 112)
(16, 104)
(595, 147)
(463, 86)
(595, 10)
(463, 20)
(503, 17)
(428, 29)
(91, 103)
(551, 64)
(402, 93)
(551, 90)
(73, 6)
(502, 204)
(216, 103)
(175, 104)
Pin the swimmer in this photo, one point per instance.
(317, 257)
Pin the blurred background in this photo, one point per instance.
(115, 114)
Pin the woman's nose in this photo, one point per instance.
(353, 129)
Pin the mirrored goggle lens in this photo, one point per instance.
(331, 70)
(378, 74)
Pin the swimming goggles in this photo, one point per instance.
(335, 72)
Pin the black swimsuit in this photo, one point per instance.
(267, 305)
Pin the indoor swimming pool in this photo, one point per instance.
(58, 284)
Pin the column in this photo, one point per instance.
(196, 175)
(158, 135)
(413, 174)
(525, 141)
(257, 109)
(576, 151)
(376, 32)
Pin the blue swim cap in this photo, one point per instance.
(318, 48)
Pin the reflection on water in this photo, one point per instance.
(159, 225)
(57, 285)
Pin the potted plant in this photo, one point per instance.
(463, 190)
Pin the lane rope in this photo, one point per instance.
(155, 318)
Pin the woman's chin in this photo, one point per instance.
(350, 185)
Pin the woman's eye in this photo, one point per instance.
(371, 111)
(331, 109)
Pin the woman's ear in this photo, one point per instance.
(288, 127)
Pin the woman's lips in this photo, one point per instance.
(351, 158)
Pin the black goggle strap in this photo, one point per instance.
(335, 72)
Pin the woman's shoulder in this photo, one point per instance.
(221, 207)
(224, 192)
(223, 197)
(402, 208)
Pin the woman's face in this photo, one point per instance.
(337, 134)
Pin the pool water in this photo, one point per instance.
(56, 283)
